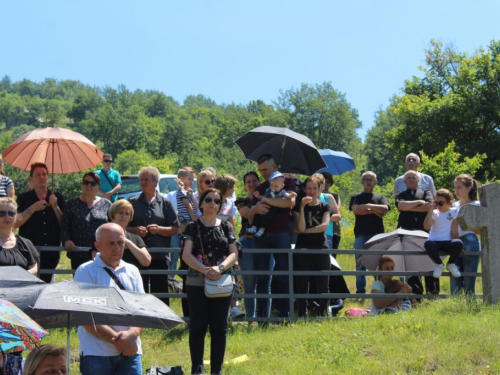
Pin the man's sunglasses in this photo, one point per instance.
(107, 161)
(91, 183)
(210, 200)
(10, 213)
(209, 182)
(441, 203)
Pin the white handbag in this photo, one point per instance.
(219, 288)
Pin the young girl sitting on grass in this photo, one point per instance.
(439, 220)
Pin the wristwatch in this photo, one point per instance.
(221, 267)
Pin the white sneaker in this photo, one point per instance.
(438, 271)
(236, 313)
(455, 272)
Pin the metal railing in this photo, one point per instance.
(291, 296)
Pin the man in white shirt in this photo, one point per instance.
(425, 182)
(110, 350)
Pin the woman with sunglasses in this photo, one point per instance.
(82, 216)
(439, 221)
(15, 250)
(209, 250)
(205, 181)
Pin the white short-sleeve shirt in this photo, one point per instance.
(441, 226)
(93, 272)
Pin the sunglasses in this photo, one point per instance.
(441, 203)
(107, 161)
(10, 213)
(91, 183)
(209, 182)
(210, 200)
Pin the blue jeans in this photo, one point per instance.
(114, 365)
(359, 244)
(466, 264)
(261, 263)
(249, 281)
(175, 241)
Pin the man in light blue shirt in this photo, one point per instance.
(111, 181)
(110, 350)
(426, 182)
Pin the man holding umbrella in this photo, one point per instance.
(110, 350)
(276, 236)
(41, 212)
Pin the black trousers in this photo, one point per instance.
(49, 261)
(453, 248)
(157, 283)
(207, 313)
(315, 262)
(431, 285)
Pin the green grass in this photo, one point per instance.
(453, 336)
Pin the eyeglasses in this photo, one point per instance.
(441, 203)
(209, 182)
(10, 213)
(368, 179)
(210, 200)
(91, 183)
(107, 161)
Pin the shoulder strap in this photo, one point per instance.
(107, 178)
(115, 279)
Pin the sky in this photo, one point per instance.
(238, 51)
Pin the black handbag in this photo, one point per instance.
(165, 370)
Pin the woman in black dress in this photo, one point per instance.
(209, 251)
(81, 218)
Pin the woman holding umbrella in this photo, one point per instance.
(41, 217)
(83, 215)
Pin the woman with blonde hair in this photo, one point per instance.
(206, 179)
(48, 359)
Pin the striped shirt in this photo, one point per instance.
(182, 210)
(4, 185)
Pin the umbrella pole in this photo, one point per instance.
(53, 143)
(68, 330)
(282, 152)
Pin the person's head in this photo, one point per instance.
(210, 202)
(91, 183)
(185, 177)
(411, 179)
(225, 184)
(251, 181)
(39, 175)
(412, 162)
(312, 186)
(8, 212)
(393, 286)
(110, 241)
(48, 359)
(205, 180)
(385, 264)
(266, 166)
(211, 170)
(328, 180)
(121, 212)
(465, 187)
(107, 160)
(149, 177)
(444, 200)
(369, 180)
(276, 181)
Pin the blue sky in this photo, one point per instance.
(238, 51)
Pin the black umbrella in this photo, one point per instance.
(293, 152)
(15, 276)
(71, 303)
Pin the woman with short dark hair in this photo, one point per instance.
(83, 215)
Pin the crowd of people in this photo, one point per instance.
(107, 240)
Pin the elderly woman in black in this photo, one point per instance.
(209, 251)
(82, 216)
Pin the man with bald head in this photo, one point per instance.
(412, 163)
(369, 208)
(110, 350)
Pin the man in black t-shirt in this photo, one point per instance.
(369, 209)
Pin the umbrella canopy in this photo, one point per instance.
(399, 239)
(15, 276)
(62, 150)
(337, 162)
(71, 303)
(293, 152)
(17, 330)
